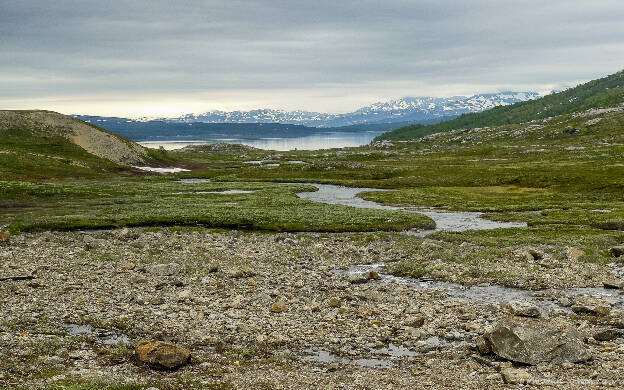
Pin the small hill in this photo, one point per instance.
(604, 92)
(45, 144)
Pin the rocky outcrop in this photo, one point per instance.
(533, 342)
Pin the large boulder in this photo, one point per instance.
(161, 355)
(533, 341)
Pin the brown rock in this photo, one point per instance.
(372, 274)
(4, 236)
(591, 305)
(334, 302)
(161, 355)
(279, 307)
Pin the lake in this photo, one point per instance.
(324, 140)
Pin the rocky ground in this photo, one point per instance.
(254, 310)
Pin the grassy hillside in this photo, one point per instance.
(45, 145)
(604, 92)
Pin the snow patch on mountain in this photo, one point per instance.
(408, 109)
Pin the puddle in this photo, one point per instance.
(193, 181)
(323, 356)
(271, 165)
(258, 162)
(225, 192)
(296, 162)
(161, 170)
(395, 351)
(445, 221)
(604, 211)
(104, 336)
(77, 330)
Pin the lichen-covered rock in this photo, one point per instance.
(523, 309)
(532, 341)
(161, 355)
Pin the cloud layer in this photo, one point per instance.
(142, 57)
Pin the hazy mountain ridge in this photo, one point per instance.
(604, 92)
(408, 109)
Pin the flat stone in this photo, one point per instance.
(608, 334)
(167, 269)
(591, 305)
(522, 308)
(161, 355)
(515, 376)
(533, 341)
(613, 284)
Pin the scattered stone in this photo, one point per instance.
(213, 267)
(608, 334)
(531, 341)
(617, 251)
(161, 355)
(515, 376)
(613, 284)
(279, 307)
(574, 254)
(167, 269)
(591, 305)
(185, 295)
(358, 279)
(414, 321)
(19, 275)
(334, 302)
(128, 266)
(524, 309)
(535, 255)
(241, 272)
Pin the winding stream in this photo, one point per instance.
(452, 221)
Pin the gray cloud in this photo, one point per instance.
(322, 55)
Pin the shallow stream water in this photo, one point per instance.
(453, 221)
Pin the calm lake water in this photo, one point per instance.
(311, 142)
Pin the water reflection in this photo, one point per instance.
(311, 142)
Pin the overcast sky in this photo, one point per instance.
(163, 57)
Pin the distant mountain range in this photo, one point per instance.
(409, 109)
(255, 124)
